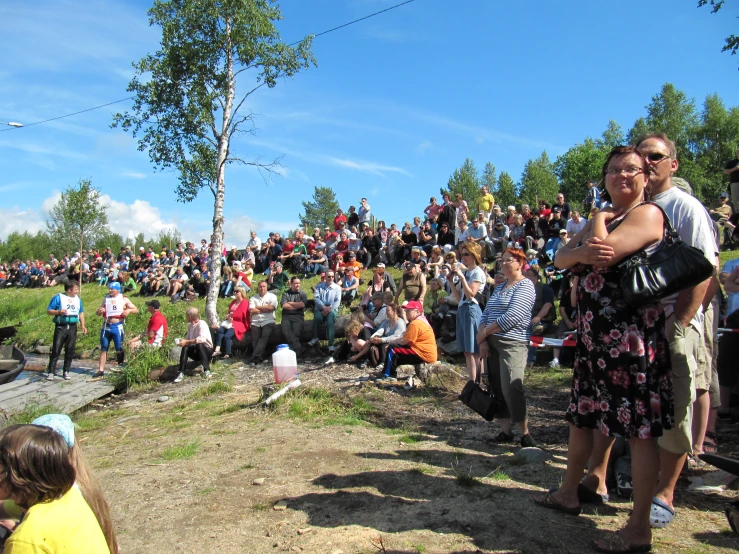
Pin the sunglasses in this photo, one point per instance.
(657, 157)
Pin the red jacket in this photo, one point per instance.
(240, 318)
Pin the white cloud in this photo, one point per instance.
(134, 175)
(50, 202)
(13, 219)
(128, 220)
(368, 167)
(424, 146)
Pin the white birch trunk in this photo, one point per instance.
(211, 313)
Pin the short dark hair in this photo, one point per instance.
(35, 465)
(619, 151)
(70, 285)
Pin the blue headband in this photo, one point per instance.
(60, 423)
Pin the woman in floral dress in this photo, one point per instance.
(622, 383)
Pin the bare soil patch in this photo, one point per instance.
(360, 469)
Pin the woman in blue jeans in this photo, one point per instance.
(466, 286)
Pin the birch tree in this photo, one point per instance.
(191, 95)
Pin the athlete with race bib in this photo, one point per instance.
(67, 311)
(115, 309)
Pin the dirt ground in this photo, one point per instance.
(360, 469)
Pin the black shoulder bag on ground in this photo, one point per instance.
(479, 400)
(672, 267)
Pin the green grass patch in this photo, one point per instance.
(260, 449)
(214, 388)
(247, 466)
(182, 451)
(419, 548)
(259, 507)
(86, 421)
(206, 490)
(422, 470)
(499, 474)
(31, 411)
(325, 407)
(466, 480)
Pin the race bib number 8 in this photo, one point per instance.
(113, 307)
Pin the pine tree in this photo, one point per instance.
(321, 210)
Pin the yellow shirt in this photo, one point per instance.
(485, 203)
(65, 525)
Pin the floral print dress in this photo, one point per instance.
(622, 382)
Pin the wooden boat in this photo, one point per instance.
(12, 362)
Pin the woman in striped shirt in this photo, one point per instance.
(504, 340)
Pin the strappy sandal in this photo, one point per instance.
(710, 443)
(548, 501)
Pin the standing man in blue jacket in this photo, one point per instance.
(66, 308)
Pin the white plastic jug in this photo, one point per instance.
(284, 363)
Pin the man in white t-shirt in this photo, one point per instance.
(254, 245)
(684, 313)
(262, 308)
(575, 223)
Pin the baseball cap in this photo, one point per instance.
(723, 195)
(116, 286)
(382, 265)
(563, 231)
(412, 305)
(352, 236)
(352, 254)
(556, 209)
(154, 304)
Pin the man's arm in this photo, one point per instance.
(689, 300)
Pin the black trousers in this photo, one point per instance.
(65, 336)
(198, 352)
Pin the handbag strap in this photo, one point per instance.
(669, 231)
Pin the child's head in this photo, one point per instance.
(34, 464)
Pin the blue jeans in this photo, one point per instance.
(225, 336)
(330, 320)
(315, 269)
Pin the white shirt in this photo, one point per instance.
(254, 243)
(692, 222)
(574, 228)
(264, 318)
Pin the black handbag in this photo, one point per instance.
(479, 400)
(672, 267)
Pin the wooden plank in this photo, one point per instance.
(67, 396)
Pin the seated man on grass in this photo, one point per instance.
(278, 280)
(156, 329)
(327, 296)
(197, 345)
(349, 286)
(262, 308)
(417, 346)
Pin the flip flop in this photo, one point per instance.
(547, 501)
(617, 545)
(589, 496)
(661, 514)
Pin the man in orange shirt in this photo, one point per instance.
(417, 346)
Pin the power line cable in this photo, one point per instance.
(357, 20)
(131, 97)
(68, 115)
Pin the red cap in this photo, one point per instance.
(412, 305)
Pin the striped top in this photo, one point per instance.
(511, 310)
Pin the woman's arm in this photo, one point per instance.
(641, 227)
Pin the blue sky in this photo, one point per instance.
(396, 103)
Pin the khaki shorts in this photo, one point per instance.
(706, 376)
(684, 343)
